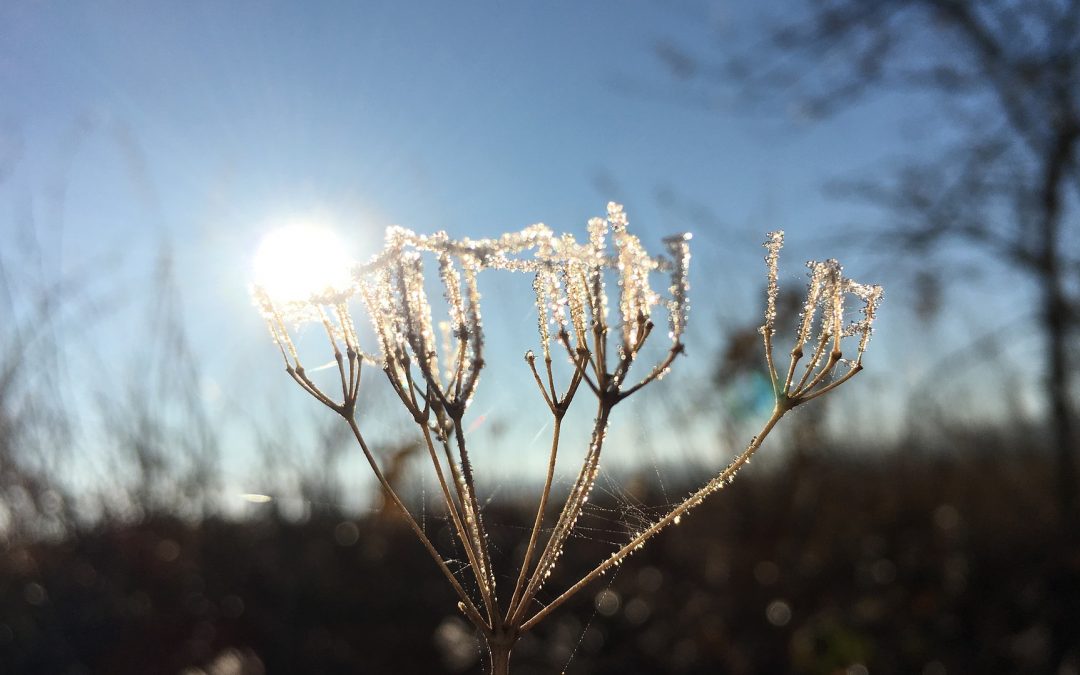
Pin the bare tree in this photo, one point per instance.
(1005, 180)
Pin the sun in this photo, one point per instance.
(295, 262)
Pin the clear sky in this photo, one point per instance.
(126, 125)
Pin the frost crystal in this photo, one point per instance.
(773, 244)
(679, 304)
(826, 294)
(636, 298)
(569, 284)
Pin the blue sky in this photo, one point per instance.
(203, 124)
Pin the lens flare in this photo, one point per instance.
(294, 263)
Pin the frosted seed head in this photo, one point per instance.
(634, 265)
(597, 228)
(679, 304)
(569, 285)
(773, 243)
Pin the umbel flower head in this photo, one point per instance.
(826, 298)
(434, 368)
(570, 283)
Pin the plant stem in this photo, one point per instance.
(570, 513)
(520, 585)
(459, 526)
(499, 648)
(479, 534)
(689, 503)
(466, 604)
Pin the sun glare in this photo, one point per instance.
(297, 261)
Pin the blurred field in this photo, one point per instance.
(908, 562)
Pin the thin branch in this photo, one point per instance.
(657, 371)
(487, 587)
(531, 360)
(834, 358)
(774, 377)
(538, 523)
(583, 354)
(569, 515)
(814, 360)
(832, 385)
(297, 374)
(466, 603)
(356, 364)
(452, 509)
(575, 381)
(689, 503)
(796, 355)
(550, 376)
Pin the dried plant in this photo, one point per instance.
(436, 376)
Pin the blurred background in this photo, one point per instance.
(170, 503)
